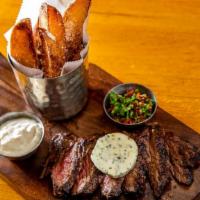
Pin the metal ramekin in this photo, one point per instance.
(121, 89)
(16, 115)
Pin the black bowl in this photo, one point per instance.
(121, 89)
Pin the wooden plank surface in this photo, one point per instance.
(155, 43)
(24, 175)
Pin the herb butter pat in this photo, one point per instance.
(115, 154)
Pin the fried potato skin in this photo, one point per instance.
(50, 58)
(22, 47)
(37, 43)
(50, 40)
(51, 20)
(54, 41)
(74, 19)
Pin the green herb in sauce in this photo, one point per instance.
(132, 107)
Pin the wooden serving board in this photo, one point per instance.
(23, 176)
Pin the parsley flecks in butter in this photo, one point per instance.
(115, 154)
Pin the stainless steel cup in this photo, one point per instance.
(56, 98)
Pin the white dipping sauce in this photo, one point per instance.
(19, 137)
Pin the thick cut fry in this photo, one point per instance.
(50, 55)
(38, 44)
(74, 19)
(50, 40)
(22, 46)
(51, 20)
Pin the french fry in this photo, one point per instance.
(50, 58)
(51, 20)
(74, 19)
(38, 44)
(50, 40)
(22, 47)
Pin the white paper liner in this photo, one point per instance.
(30, 9)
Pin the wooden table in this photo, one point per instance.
(156, 43)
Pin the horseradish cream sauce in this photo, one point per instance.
(20, 136)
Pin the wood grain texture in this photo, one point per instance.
(155, 43)
(24, 175)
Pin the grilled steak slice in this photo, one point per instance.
(181, 174)
(135, 181)
(60, 143)
(87, 180)
(64, 172)
(111, 187)
(159, 166)
(190, 154)
(179, 167)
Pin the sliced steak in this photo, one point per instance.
(179, 165)
(111, 187)
(181, 174)
(135, 181)
(87, 180)
(190, 153)
(64, 172)
(58, 145)
(159, 166)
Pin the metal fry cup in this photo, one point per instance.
(55, 98)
